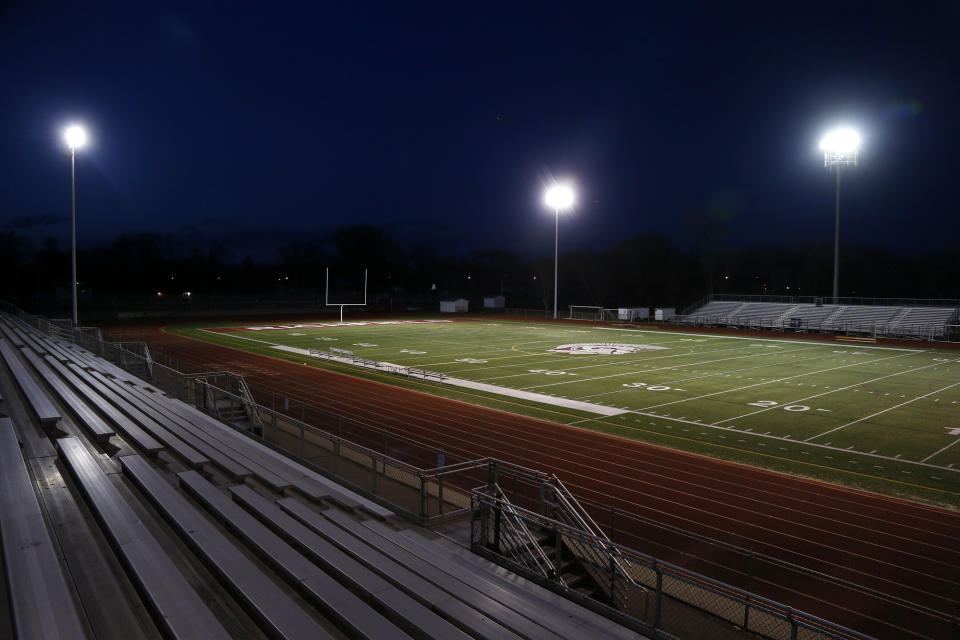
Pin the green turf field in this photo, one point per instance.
(881, 418)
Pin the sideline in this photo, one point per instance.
(567, 403)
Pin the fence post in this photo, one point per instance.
(440, 493)
(373, 467)
(656, 613)
(793, 625)
(423, 497)
(751, 559)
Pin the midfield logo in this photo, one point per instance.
(603, 348)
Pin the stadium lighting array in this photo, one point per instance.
(76, 138)
(841, 148)
(558, 197)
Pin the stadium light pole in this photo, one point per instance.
(841, 148)
(558, 196)
(75, 137)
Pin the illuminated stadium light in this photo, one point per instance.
(75, 136)
(841, 148)
(558, 197)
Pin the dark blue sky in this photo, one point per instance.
(260, 124)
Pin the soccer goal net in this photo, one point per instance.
(604, 314)
(580, 312)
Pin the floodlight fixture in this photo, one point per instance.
(558, 197)
(841, 148)
(75, 136)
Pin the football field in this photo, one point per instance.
(864, 415)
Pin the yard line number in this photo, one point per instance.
(769, 404)
(644, 385)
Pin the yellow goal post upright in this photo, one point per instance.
(326, 296)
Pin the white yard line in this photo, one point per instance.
(760, 384)
(932, 393)
(230, 335)
(678, 366)
(782, 341)
(826, 393)
(708, 375)
(940, 450)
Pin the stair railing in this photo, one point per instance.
(512, 538)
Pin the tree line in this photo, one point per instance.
(641, 270)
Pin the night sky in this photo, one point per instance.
(259, 124)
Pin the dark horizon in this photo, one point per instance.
(256, 127)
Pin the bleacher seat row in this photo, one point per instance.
(893, 321)
(127, 514)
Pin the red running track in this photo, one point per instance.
(905, 549)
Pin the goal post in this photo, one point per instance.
(582, 312)
(326, 296)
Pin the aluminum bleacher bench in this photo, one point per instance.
(333, 598)
(40, 599)
(139, 414)
(143, 440)
(577, 623)
(292, 474)
(185, 433)
(478, 616)
(12, 336)
(177, 608)
(417, 618)
(277, 613)
(37, 398)
(90, 419)
(512, 612)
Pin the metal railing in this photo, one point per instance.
(662, 596)
(423, 483)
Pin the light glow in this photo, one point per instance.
(559, 197)
(75, 136)
(840, 141)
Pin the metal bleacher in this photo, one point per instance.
(901, 319)
(126, 514)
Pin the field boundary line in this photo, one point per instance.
(801, 443)
(926, 395)
(941, 450)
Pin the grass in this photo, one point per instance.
(868, 417)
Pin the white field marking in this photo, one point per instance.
(678, 366)
(941, 450)
(604, 361)
(773, 380)
(851, 386)
(707, 335)
(231, 335)
(885, 410)
(708, 375)
(767, 436)
(510, 343)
